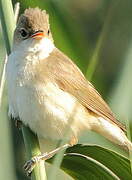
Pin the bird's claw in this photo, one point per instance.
(29, 165)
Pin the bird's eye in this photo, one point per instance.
(24, 33)
(48, 32)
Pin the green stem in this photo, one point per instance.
(32, 148)
(8, 22)
(30, 140)
(97, 52)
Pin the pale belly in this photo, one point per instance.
(47, 110)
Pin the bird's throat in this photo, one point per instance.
(33, 49)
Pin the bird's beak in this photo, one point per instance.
(38, 35)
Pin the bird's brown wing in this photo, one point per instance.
(70, 79)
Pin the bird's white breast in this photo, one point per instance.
(45, 108)
(24, 56)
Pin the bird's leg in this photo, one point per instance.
(29, 165)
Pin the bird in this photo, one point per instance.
(50, 94)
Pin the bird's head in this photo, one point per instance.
(32, 27)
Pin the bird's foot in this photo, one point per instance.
(30, 165)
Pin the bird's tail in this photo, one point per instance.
(112, 132)
(129, 145)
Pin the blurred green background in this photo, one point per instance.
(97, 36)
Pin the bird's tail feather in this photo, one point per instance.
(112, 132)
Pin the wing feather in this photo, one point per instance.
(70, 79)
